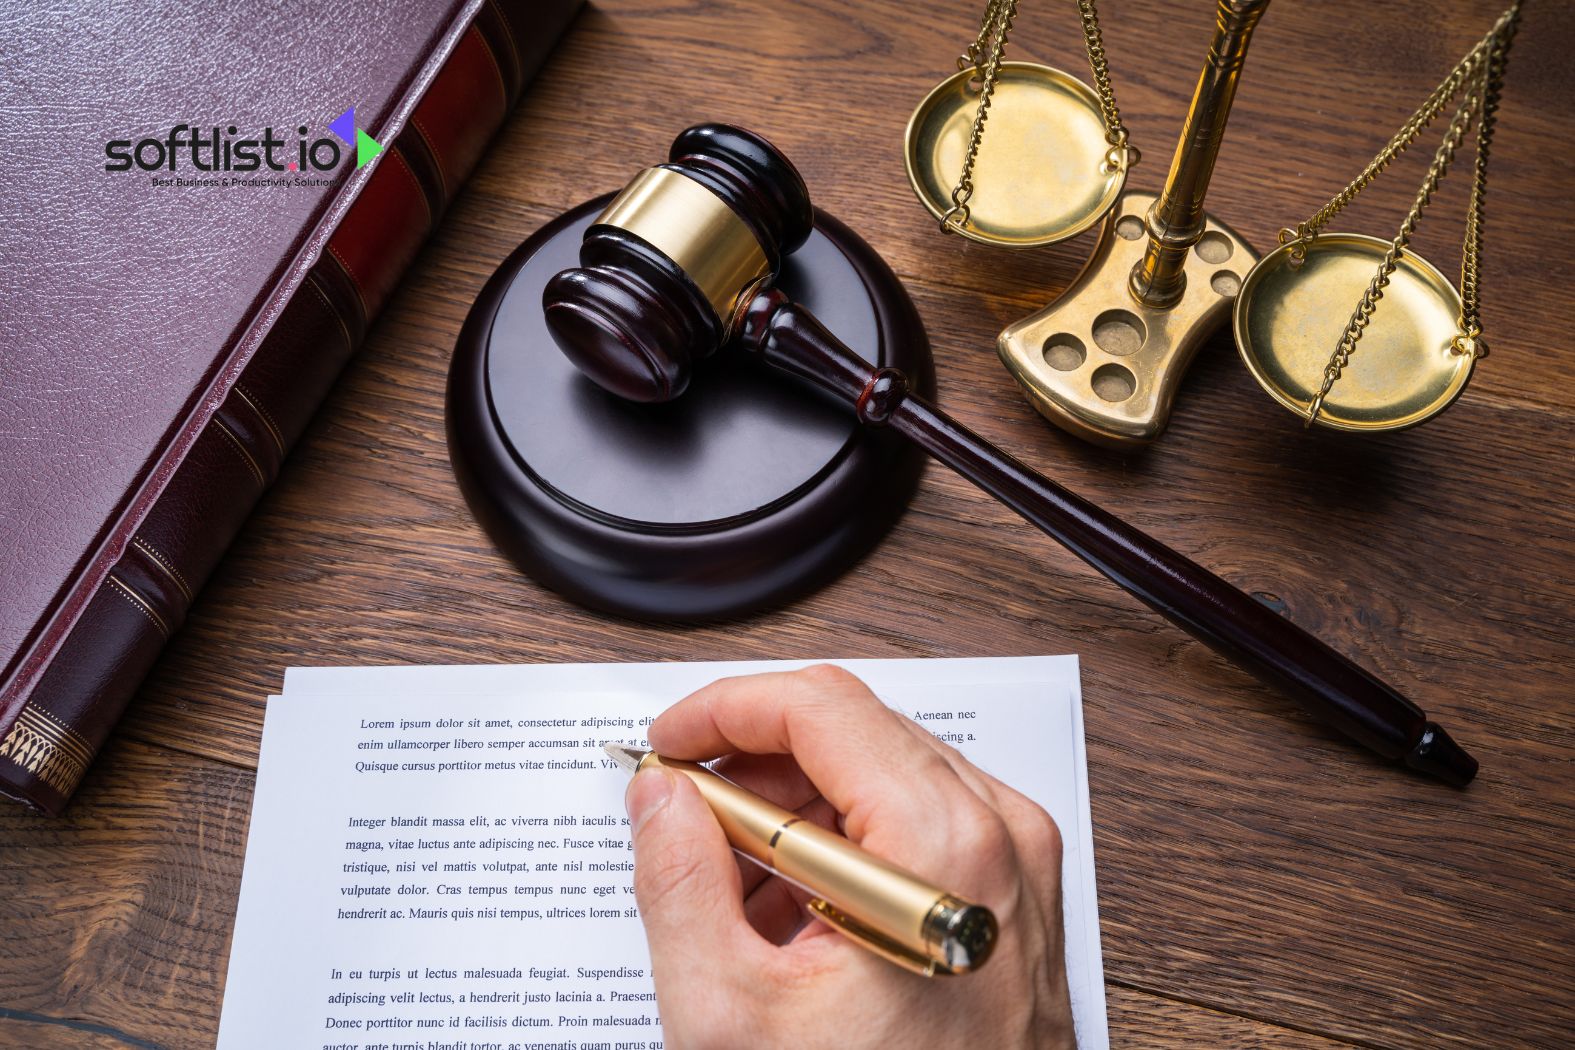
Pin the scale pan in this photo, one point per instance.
(1040, 176)
(1289, 320)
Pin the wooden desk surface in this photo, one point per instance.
(1262, 882)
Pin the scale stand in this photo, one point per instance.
(1105, 359)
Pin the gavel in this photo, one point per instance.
(680, 264)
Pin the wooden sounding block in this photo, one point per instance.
(745, 495)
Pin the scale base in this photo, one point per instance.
(1103, 366)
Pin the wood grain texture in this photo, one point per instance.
(1140, 1020)
(1262, 882)
(118, 915)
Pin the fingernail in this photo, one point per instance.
(648, 792)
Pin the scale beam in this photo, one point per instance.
(1177, 219)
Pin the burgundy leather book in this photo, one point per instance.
(206, 205)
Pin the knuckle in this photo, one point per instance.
(830, 692)
(1036, 830)
(1053, 846)
(828, 677)
(984, 837)
(727, 684)
(1042, 840)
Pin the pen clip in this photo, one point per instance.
(878, 943)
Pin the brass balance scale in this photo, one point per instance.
(1105, 359)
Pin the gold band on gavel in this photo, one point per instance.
(695, 229)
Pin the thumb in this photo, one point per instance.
(685, 879)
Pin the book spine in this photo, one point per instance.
(76, 701)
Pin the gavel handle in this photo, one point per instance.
(1331, 687)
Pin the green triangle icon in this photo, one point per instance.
(366, 148)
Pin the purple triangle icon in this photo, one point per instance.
(344, 126)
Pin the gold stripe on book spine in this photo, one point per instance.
(47, 748)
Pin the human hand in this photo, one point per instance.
(736, 962)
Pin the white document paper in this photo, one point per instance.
(439, 857)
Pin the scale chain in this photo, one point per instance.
(1115, 131)
(995, 28)
(1470, 338)
(1304, 233)
(985, 55)
(1483, 70)
(1363, 314)
(976, 49)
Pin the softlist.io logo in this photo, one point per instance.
(366, 147)
(223, 150)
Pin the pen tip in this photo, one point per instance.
(625, 756)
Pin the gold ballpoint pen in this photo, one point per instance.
(879, 906)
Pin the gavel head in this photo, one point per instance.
(664, 268)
